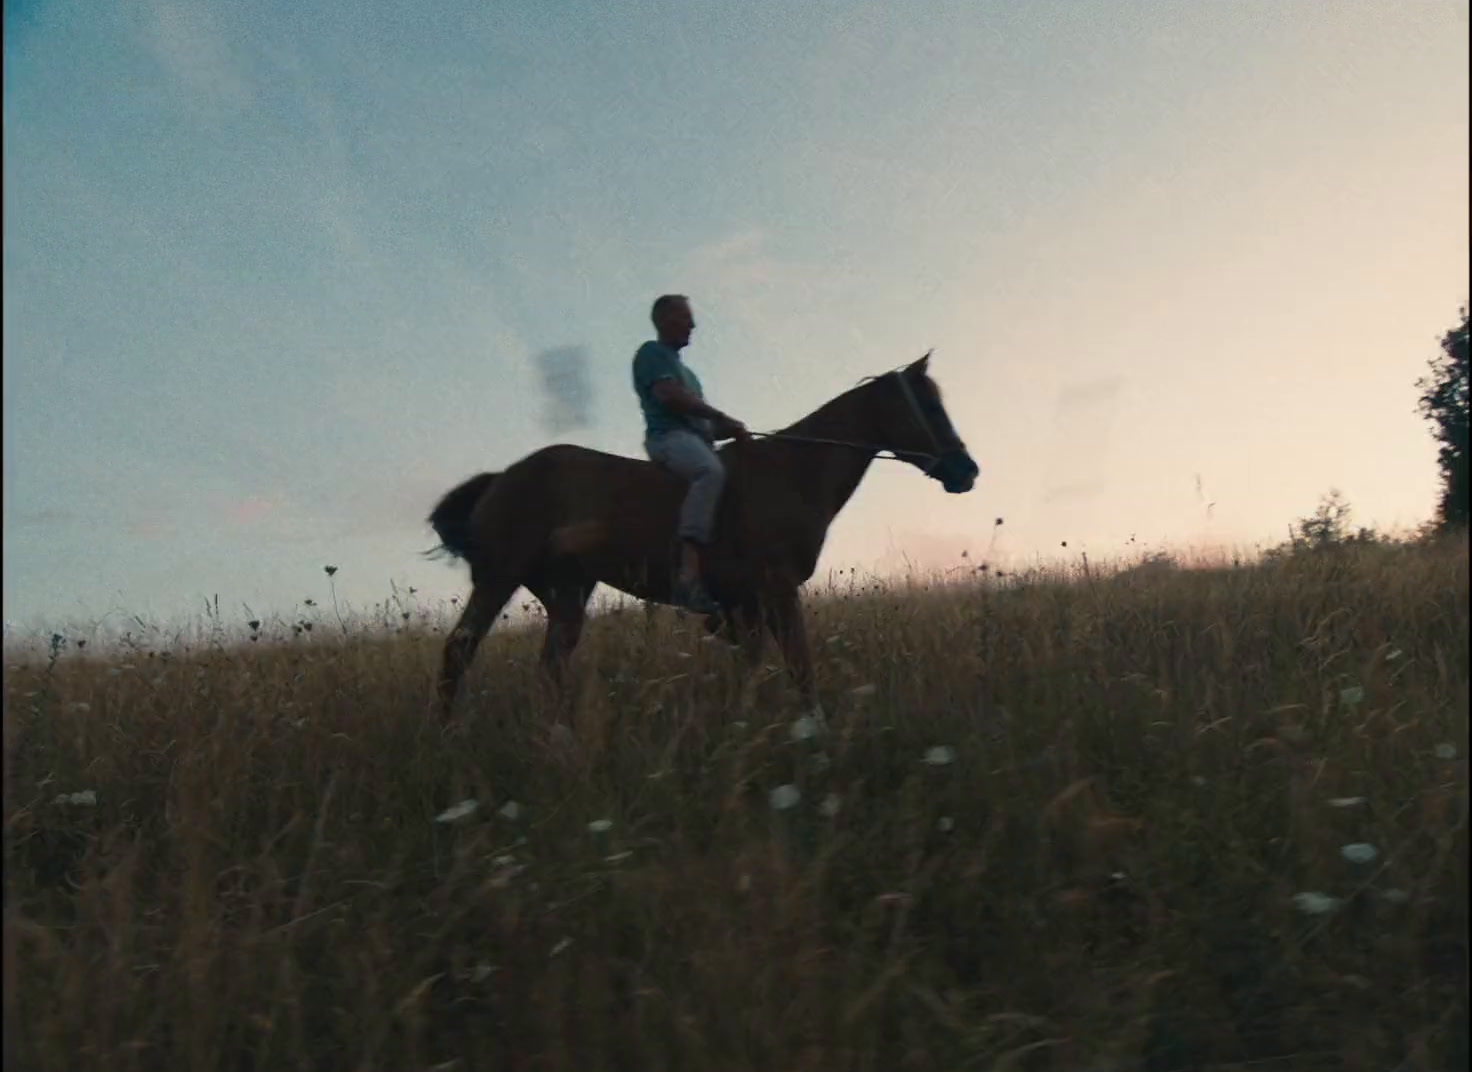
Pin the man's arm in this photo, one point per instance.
(680, 399)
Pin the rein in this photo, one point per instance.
(879, 452)
(896, 455)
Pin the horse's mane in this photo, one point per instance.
(825, 409)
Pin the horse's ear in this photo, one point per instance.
(921, 367)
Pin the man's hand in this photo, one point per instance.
(730, 428)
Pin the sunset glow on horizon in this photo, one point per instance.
(278, 277)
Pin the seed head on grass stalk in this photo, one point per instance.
(332, 587)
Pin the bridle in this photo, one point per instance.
(932, 458)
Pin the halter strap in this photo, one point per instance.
(909, 395)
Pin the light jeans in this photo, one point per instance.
(686, 454)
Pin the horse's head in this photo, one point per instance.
(914, 425)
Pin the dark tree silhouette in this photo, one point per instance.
(1444, 403)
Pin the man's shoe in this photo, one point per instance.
(692, 596)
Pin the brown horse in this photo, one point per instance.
(565, 518)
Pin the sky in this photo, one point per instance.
(276, 275)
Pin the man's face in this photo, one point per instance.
(677, 325)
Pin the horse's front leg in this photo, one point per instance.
(783, 612)
(738, 624)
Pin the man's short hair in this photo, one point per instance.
(663, 304)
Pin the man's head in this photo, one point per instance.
(673, 320)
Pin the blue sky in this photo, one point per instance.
(276, 274)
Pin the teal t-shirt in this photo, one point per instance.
(654, 362)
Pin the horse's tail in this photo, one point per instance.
(451, 517)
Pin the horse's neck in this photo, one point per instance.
(832, 473)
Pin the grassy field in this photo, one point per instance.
(1051, 822)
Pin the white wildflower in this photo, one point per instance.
(945, 824)
(506, 869)
(863, 690)
(805, 728)
(87, 798)
(458, 811)
(939, 755)
(1445, 750)
(510, 811)
(1352, 696)
(831, 804)
(784, 797)
(600, 826)
(1345, 802)
(560, 947)
(1315, 904)
(1360, 852)
(1393, 654)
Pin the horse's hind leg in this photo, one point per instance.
(566, 602)
(487, 598)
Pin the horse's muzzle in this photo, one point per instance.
(956, 472)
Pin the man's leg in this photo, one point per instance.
(691, 457)
(689, 561)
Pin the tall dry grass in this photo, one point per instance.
(1051, 822)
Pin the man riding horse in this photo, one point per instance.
(680, 429)
(564, 519)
